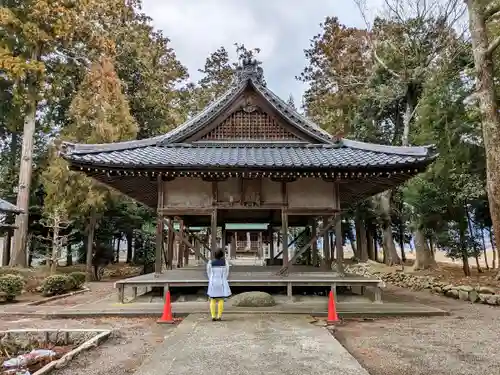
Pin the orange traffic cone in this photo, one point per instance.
(167, 318)
(332, 311)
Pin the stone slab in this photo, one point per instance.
(345, 310)
(250, 345)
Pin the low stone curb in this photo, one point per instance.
(156, 314)
(55, 298)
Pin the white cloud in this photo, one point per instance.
(280, 28)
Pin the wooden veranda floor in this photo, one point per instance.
(251, 276)
(245, 274)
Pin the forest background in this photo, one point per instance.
(423, 72)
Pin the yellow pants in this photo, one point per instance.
(216, 307)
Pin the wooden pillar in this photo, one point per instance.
(314, 249)
(327, 256)
(338, 244)
(223, 240)
(284, 235)
(159, 227)
(213, 233)
(284, 222)
(332, 245)
(232, 246)
(180, 249)
(271, 242)
(260, 245)
(170, 245)
(179, 246)
(338, 231)
(186, 253)
(196, 249)
(7, 242)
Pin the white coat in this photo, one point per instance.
(218, 272)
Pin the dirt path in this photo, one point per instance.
(464, 343)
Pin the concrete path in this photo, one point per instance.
(250, 345)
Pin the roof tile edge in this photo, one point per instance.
(425, 151)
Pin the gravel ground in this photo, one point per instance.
(464, 343)
(98, 290)
(461, 344)
(131, 342)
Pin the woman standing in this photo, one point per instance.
(218, 286)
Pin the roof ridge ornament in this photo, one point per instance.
(249, 69)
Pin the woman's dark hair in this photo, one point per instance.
(219, 254)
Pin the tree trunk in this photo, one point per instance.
(69, 255)
(485, 253)
(408, 115)
(90, 245)
(488, 106)
(10, 219)
(19, 256)
(354, 249)
(423, 255)
(402, 242)
(118, 243)
(361, 240)
(385, 257)
(431, 247)
(471, 235)
(113, 247)
(55, 247)
(478, 266)
(371, 234)
(130, 242)
(493, 249)
(390, 251)
(463, 250)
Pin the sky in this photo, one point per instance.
(282, 29)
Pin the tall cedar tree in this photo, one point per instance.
(100, 114)
(33, 32)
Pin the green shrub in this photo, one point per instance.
(11, 286)
(10, 271)
(78, 279)
(57, 284)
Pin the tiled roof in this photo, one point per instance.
(252, 78)
(169, 151)
(8, 207)
(249, 156)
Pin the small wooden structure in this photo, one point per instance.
(7, 229)
(248, 157)
(243, 238)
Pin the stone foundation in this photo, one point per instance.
(474, 294)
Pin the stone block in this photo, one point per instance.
(253, 299)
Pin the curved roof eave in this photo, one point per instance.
(6, 207)
(399, 150)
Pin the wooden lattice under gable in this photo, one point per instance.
(252, 124)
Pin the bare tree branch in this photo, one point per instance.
(381, 62)
(361, 5)
(493, 46)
